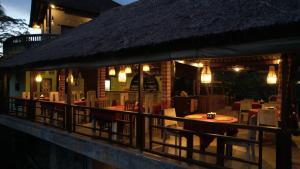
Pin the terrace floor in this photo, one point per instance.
(268, 150)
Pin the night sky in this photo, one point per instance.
(21, 9)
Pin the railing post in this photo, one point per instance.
(260, 139)
(283, 150)
(30, 109)
(220, 151)
(68, 118)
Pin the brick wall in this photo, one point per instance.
(166, 82)
(61, 84)
(101, 72)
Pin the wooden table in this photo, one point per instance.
(206, 140)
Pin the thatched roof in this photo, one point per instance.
(90, 8)
(149, 25)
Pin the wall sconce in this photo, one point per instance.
(272, 77)
(38, 78)
(52, 6)
(128, 70)
(237, 68)
(197, 64)
(146, 67)
(122, 76)
(112, 71)
(206, 75)
(180, 61)
(36, 26)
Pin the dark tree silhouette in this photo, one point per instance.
(10, 27)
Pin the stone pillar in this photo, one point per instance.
(61, 84)
(166, 84)
(101, 73)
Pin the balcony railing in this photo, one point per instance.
(17, 44)
(148, 133)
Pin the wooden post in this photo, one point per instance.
(283, 137)
(5, 89)
(140, 136)
(49, 20)
(31, 108)
(68, 113)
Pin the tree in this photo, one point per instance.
(10, 27)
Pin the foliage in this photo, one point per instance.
(10, 27)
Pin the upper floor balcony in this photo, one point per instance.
(17, 44)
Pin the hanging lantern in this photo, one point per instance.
(38, 78)
(122, 76)
(272, 77)
(146, 68)
(206, 75)
(128, 70)
(70, 78)
(112, 71)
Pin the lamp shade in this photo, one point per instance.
(272, 77)
(112, 71)
(122, 76)
(70, 78)
(146, 67)
(38, 78)
(128, 70)
(206, 75)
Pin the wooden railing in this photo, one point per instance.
(25, 41)
(120, 127)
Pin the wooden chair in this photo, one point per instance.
(129, 106)
(53, 97)
(250, 147)
(26, 95)
(167, 132)
(267, 117)
(103, 102)
(245, 106)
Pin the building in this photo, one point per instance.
(121, 86)
(55, 17)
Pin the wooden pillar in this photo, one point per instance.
(166, 74)
(198, 81)
(283, 137)
(285, 92)
(5, 89)
(68, 113)
(101, 76)
(140, 136)
(31, 109)
(52, 157)
(49, 20)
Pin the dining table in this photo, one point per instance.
(205, 140)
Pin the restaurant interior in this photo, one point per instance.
(236, 90)
(232, 86)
